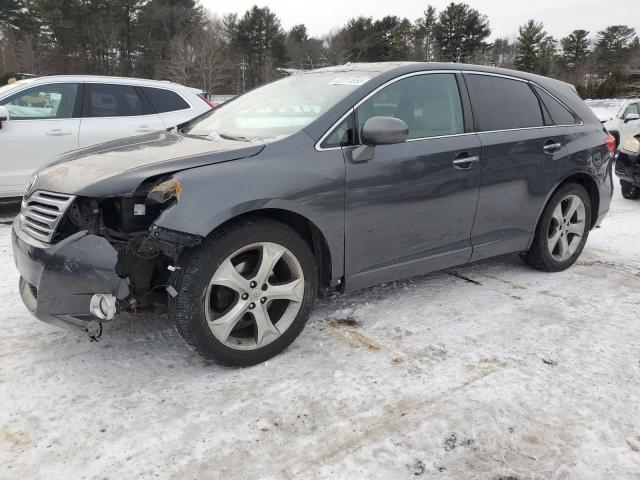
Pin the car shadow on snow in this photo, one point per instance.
(153, 334)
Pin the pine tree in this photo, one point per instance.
(424, 34)
(528, 46)
(575, 47)
(262, 43)
(460, 32)
(613, 47)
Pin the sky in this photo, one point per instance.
(560, 17)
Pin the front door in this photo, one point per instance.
(41, 127)
(410, 209)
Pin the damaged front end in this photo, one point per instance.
(82, 260)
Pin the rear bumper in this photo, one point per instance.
(58, 281)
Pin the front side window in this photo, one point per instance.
(502, 103)
(429, 104)
(104, 100)
(633, 108)
(57, 100)
(280, 108)
(342, 135)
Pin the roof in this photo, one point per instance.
(404, 67)
(366, 67)
(105, 78)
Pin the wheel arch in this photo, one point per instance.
(589, 184)
(307, 229)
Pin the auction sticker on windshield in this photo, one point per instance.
(349, 81)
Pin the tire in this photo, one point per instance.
(551, 255)
(629, 191)
(249, 246)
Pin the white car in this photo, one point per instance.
(619, 116)
(42, 118)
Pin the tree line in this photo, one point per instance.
(180, 40)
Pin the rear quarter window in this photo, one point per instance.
(164, 101)
(502, 104)
(559, 113)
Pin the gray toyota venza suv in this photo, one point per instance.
(336, 179)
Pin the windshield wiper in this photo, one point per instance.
(233, 137)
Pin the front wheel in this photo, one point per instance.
(246, 293)
(562, 230)
(629, 191)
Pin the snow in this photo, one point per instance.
(522, 375)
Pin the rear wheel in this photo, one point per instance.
(562, 230)
(245, 294)
(629, 191)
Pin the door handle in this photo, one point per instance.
(466, 163)
(552, 147)
(57, 132)
(144, 129)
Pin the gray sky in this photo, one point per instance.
(559, 16)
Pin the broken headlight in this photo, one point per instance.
(166, 191)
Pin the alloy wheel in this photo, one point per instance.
(254, 296)
(567, 227)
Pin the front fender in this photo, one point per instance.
(310, 187)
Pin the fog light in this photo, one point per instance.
(103, 306)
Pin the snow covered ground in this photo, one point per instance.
(491, 371)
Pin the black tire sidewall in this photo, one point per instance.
(539, 255)
(629, 191)
(188, 307)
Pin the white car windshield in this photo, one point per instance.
(11, 86)
(278, 109)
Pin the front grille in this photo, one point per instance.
(41, 213)
(620, 170)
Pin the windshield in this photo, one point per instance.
(280, 108)
(11, 86)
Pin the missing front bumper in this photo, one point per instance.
(59, 281)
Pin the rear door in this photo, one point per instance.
(522, 153)
(410, 208)
(43, 124)
(113, 111)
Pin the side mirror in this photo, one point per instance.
(379, 131)
(629, 117)
(384, 131)
(4, 115)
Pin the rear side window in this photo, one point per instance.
(559, 113)
(165, 100)
(105, 100)
(501, 103)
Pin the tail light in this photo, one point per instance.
(611, 144)
(208, 102)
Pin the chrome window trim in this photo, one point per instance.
(318, 147)
(318, 144)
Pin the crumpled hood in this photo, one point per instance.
(118, 167)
